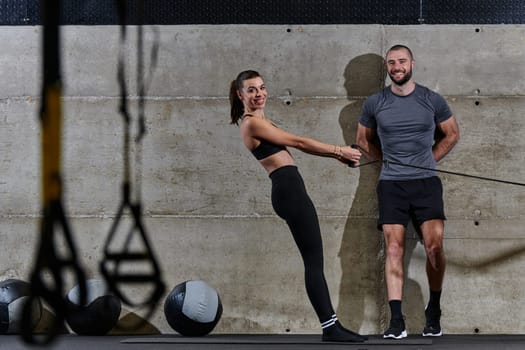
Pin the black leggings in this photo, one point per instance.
(291, 202)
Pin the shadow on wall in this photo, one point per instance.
(362, 296)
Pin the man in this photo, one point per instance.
(405, 116)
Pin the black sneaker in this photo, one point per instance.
(432, 325)
(396, 330)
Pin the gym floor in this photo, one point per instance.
(273, 342)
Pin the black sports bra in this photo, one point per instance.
(265, 148)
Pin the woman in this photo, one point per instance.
(290, 201)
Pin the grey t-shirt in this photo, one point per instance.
(405, 126)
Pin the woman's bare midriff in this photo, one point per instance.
(277, 160)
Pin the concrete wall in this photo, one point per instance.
(206, 200)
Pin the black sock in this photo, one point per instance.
(395, 309)
(433, 303)
(340, 334)
(334, 331)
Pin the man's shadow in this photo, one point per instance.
(362, 296)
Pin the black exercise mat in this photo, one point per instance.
(268, 339)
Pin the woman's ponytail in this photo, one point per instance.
(237, 108)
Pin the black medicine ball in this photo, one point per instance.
(14, 294)
(99, 315)
(193, 308)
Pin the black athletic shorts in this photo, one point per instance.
(403, 200)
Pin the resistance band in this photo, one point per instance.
(386, 162)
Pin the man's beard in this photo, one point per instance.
(403, 80)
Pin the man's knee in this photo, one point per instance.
(395, 250)
(435, 248)
(394, 240)
(433, 235)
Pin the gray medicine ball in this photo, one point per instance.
(14, 294)
(99, 315)
(193, 308)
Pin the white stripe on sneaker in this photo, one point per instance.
(430, 334)
(393, 336)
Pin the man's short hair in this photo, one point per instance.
(401, 47)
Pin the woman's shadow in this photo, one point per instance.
(362, 295)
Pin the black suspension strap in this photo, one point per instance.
(54, 258)
(118, 262)
(387, 162)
